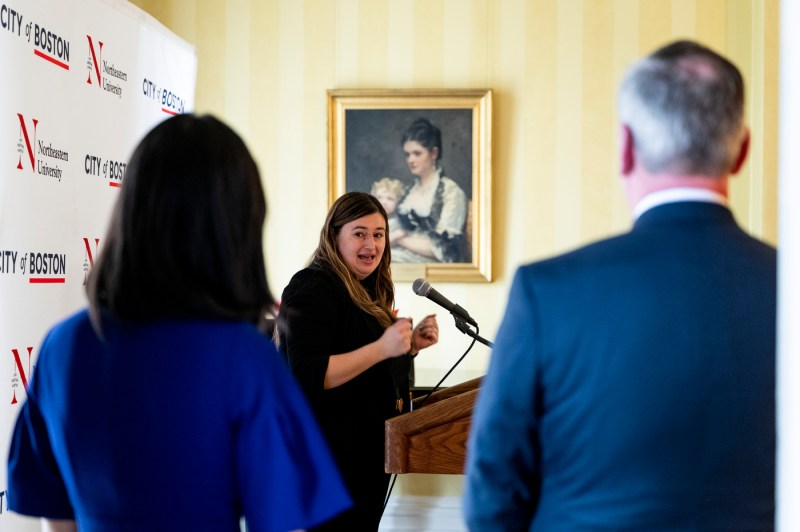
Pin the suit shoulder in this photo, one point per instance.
(765, 248)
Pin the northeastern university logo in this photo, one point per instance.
(90, 244)
(22, 372)
(104, 73)
(38, 155)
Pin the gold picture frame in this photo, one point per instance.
(365, 128)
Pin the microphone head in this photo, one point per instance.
(421, 287)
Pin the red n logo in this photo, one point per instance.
(89, 249)
(24, 134)
(89, 262)
(20, 368)
(95, 61)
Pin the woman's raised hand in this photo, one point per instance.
(425, 334)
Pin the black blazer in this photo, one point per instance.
(318, 319)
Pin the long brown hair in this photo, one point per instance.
(352, 206)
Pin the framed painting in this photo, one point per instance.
(426, 155)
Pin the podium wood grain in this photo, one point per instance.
(432, 438)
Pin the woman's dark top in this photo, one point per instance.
(318, 319)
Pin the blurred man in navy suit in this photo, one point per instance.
(632, 384)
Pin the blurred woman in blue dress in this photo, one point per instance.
(162, 406)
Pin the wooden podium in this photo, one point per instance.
(432, 438)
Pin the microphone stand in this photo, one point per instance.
(463, 326)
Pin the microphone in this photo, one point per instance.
(423, 288)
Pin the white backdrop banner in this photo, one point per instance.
(83, 81)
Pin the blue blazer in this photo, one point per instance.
(632, 385)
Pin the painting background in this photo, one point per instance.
(373, 149)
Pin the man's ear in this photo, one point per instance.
(743, 149)
(626, 155)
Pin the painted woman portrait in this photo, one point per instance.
(433, 213)
(429, 155)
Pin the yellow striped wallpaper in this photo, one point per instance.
(554, 66)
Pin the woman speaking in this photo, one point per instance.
(347, 349)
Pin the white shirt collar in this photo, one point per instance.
(673, 195)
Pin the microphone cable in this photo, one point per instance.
(438, 384)
(421, 403)
(388, 493)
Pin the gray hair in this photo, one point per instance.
(684, 105)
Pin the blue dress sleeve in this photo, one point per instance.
(35, 484)
(287, 477)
